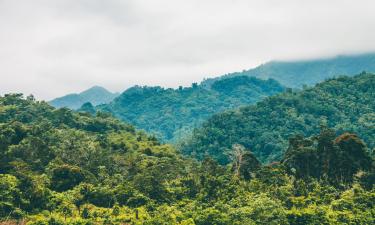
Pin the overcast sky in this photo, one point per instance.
(54, 47)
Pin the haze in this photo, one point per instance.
(51, 48)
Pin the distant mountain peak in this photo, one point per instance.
(299, 72)
(96, 95)
(95, 88)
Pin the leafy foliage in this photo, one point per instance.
(63, 167)
(345, 104)
(335, 160)
(172, 113)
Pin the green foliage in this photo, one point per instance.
(66, 177)
(87, 158)
(212, 216)
(334, 160)
(345, 104)
(245, 164)
(170, 114)
(9, 194)
(88, 108)
(63, 167)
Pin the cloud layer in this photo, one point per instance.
(51, 47)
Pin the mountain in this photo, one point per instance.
(47, 152)
(345, 104)
(62, 167)
(295, 74)
(95, 95)
(172, 113)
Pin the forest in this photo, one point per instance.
(346, 104)
(59, 166)
(175, 112)
(171, 114)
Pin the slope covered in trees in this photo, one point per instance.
(62, 167)
(346, 104)
(58, 160)
(95, 95)
(172, 113)
(295, 74)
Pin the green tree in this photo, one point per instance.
(66, 177)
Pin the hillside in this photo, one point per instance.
(172, 113)
(46, 152)
(295, 74)
(62, 167)
(95, 95)
(346, 104)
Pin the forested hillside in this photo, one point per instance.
(173, 113)
(95, 95)
(295, 74)
(62, 167)
(346, 104)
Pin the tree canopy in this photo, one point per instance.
(170, 114)
(345, 104)
(64, 167)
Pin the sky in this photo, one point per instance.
(49, 48)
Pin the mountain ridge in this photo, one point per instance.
(297, 73)
(171, 113)
(96, 95)
(345, 104)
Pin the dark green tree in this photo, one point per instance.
(66, 177)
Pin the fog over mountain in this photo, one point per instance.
(214, 112)
(72, 45)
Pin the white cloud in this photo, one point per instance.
(52, 47)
